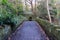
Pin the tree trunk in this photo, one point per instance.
(35, 8)
(48, 12)
(31, 5)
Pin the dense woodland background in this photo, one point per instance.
(13, 12)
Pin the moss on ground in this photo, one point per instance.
(50, 29)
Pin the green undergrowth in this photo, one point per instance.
(10, 15)
(5, 32)
(13, 23)
(49, 29)
(17, 20)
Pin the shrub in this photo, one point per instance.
(49, 28)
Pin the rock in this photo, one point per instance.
(1, 27)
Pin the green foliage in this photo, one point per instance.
(8, 16)
(19, 9)
(6, 11)
(17, 20)
(4, 32)
(9, 8)
(4, 15)
(0, 2)
(4, 2)
(42, 10)
(53, 12)
(49, 28)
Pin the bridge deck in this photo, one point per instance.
(29, 30)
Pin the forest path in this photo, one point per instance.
(29, 30)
